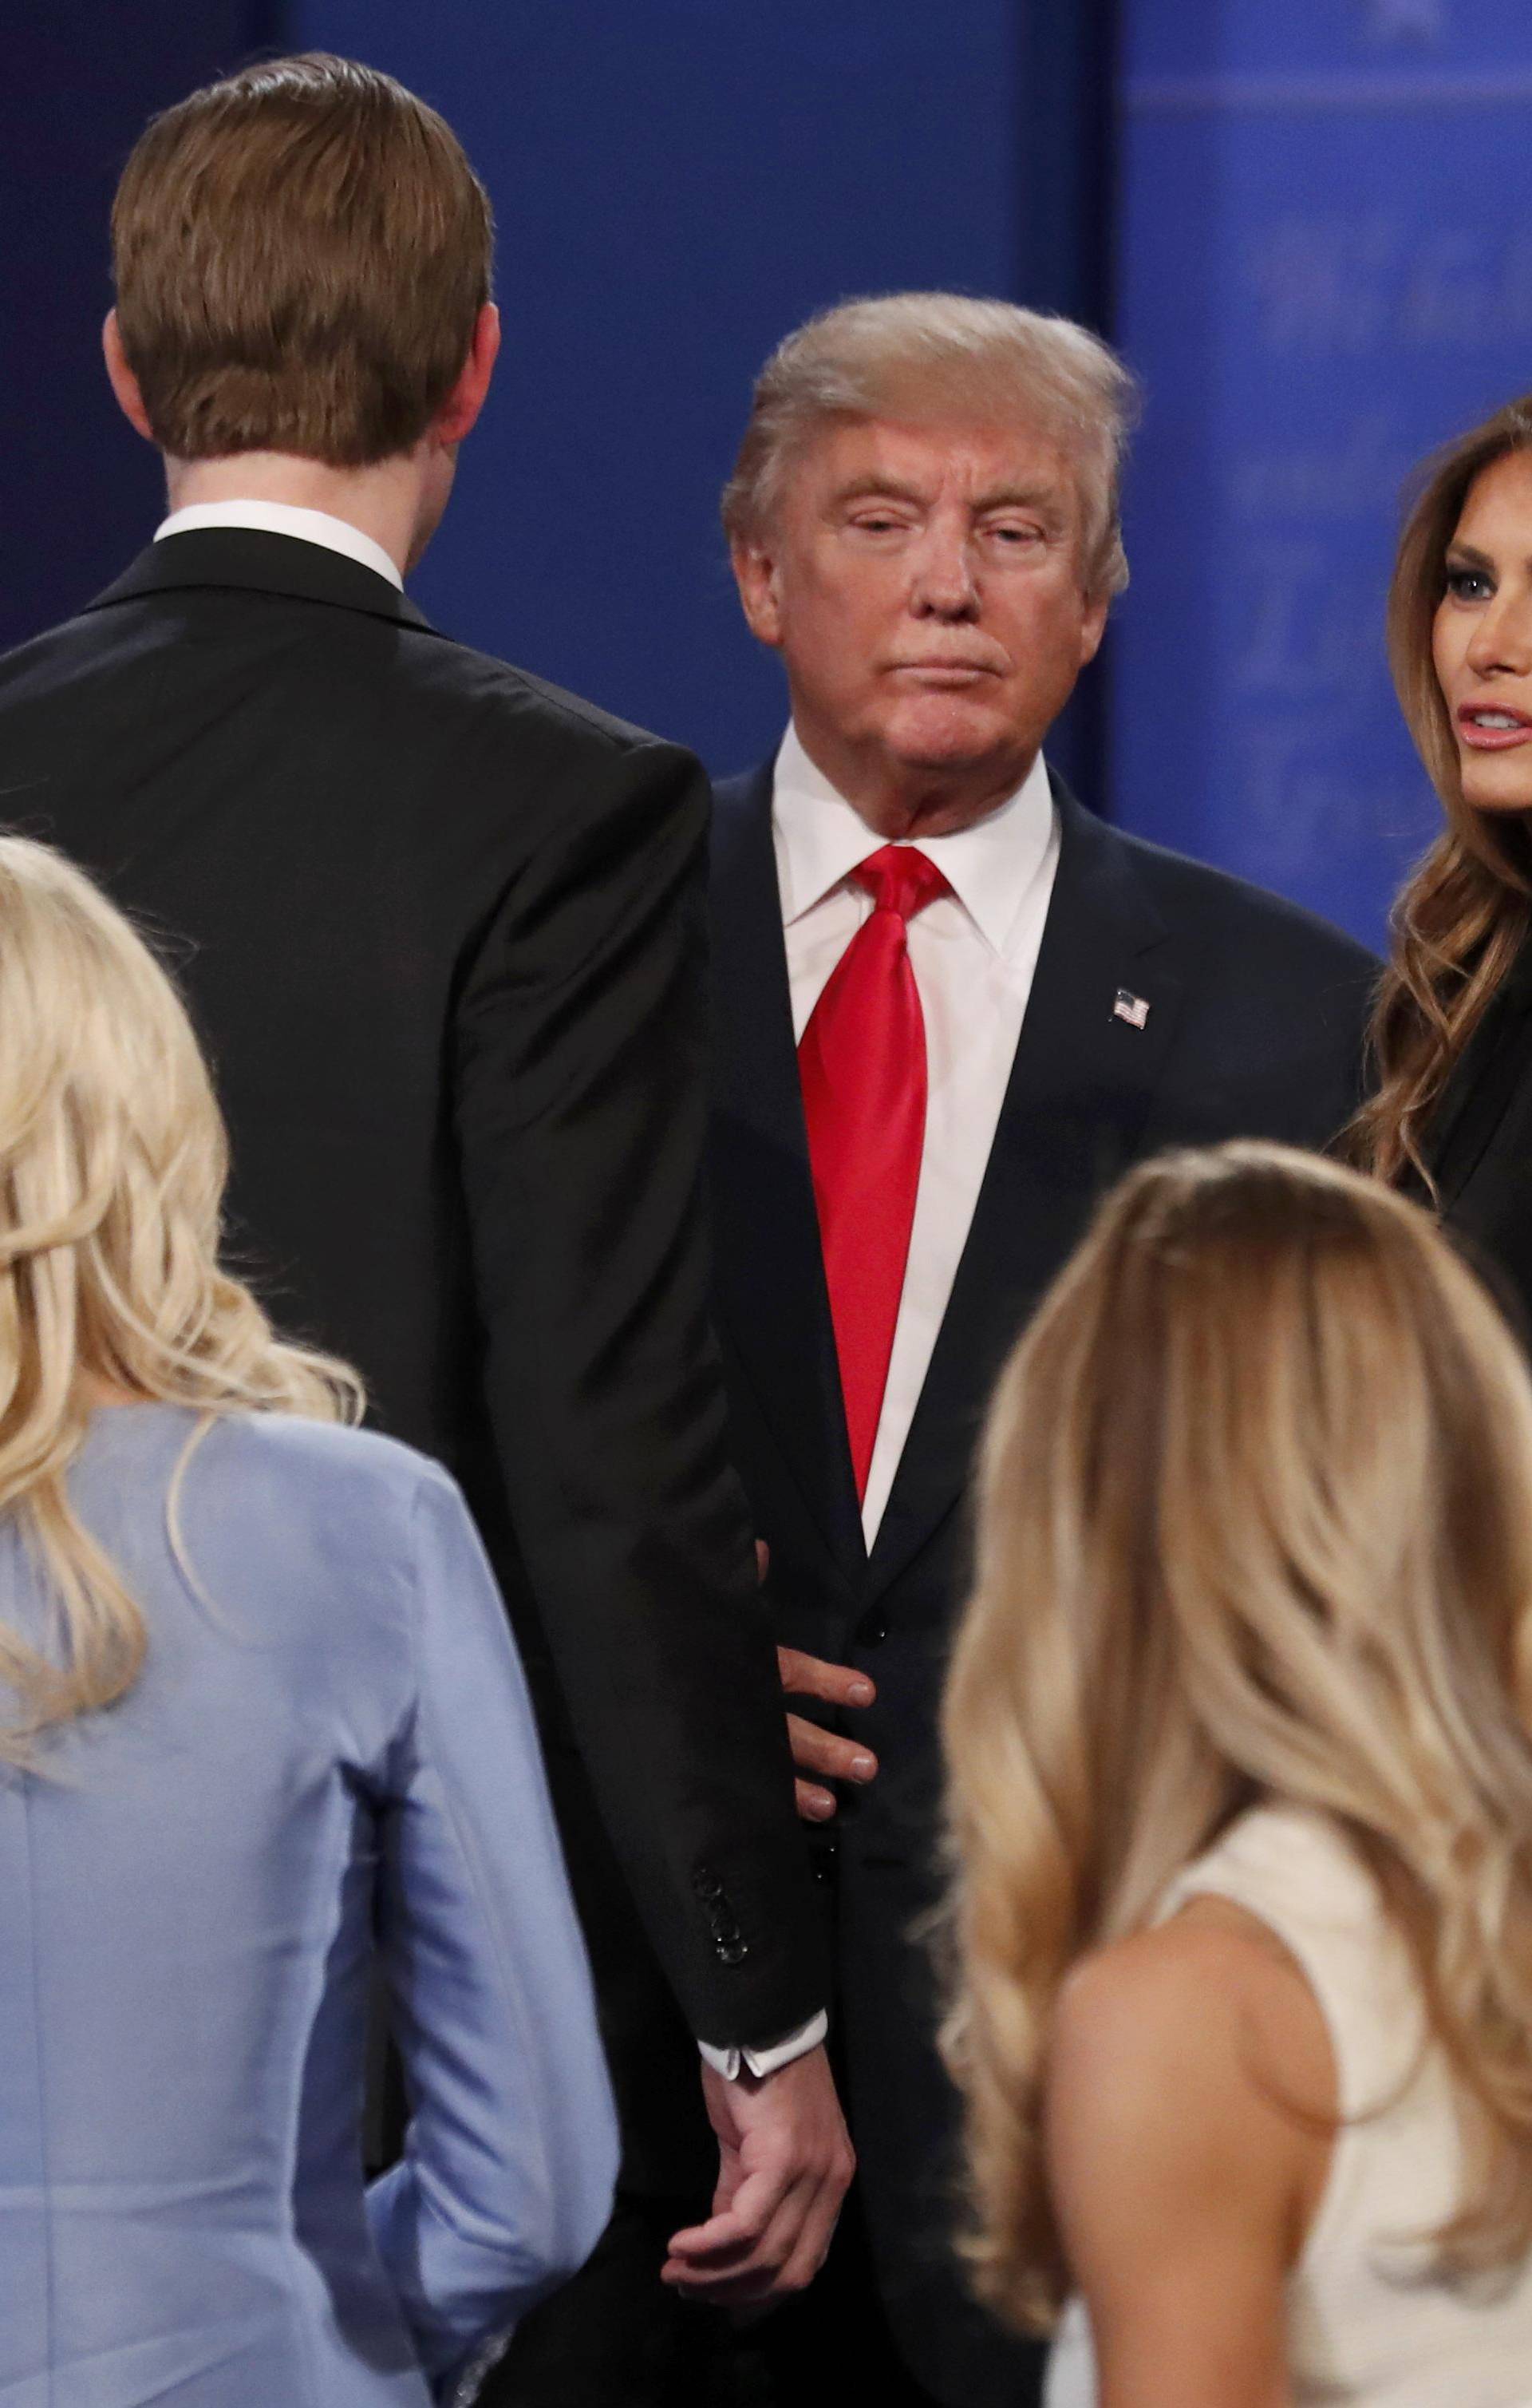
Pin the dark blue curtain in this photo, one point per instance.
(676, 183)
(1067, 154)
(1326, 271)
(78, 79)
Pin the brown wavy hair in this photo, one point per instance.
(1255, 1528)
(1461, 918)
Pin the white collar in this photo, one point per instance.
(988, 867)
(286, 518)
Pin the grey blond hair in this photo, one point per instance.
(920, 354)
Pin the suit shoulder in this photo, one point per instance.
(1219, 907)
(736, 796)
(320, 1476)
(739, 805)
(388, 684)
(528, 701)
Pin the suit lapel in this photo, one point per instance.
(1079, 1089)
(776, 1312)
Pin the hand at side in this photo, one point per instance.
(785, 2161)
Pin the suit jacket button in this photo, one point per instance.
(706, 1883)
(872, 1634)
(731, 1952)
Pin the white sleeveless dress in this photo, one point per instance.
(1364, 2329)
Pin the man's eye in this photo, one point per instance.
(1468, 585)
(1012, 538)
(879, 524)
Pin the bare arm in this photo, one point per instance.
(1182, 2183)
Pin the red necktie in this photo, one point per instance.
(862, 1061)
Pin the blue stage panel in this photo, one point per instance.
(1325, 270)
(677, 184)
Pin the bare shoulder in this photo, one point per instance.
(1212, 1971)
(1190, 2071)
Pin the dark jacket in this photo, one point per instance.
(1478, 1146)
(1254, 1021)
(442, 929)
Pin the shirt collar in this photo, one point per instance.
(989, 867)
(285, 518)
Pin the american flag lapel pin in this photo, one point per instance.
(1131, 1007)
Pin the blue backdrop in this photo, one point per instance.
(77, 493)
(676, 183)
(1325, 270)
(1322, 227)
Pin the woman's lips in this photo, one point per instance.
(1487, 727)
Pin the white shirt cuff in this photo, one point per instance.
(732, 2062)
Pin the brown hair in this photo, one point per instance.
(1254, 1528)
(1461, 917)
(300, 253)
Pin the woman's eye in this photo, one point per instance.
(1468, 585)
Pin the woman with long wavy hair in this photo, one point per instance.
(1240, 1780)
(256, 1690)
(1451, 1118)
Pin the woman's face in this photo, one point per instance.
(1482, 640)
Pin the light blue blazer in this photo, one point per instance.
(334, 1729)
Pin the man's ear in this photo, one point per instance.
(124, 384)
(755, 574)
(1092, 626)
(457, 416)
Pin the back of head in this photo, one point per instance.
(300, 253)
(921, 356)
(113, 1167)
(1255, 1527)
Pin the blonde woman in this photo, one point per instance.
(1241, 1799)
(257, 1689)
(1451, 1117)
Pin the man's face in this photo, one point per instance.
(923, 584)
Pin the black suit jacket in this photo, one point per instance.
(1254, 1029)
(443, 931)
(1479, 1146)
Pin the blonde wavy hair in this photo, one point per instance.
(113, 1162)
(1461, 918)
(1255, 1524)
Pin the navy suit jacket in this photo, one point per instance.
(1255, 1029)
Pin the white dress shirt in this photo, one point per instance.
(973, 953)
(285, 518)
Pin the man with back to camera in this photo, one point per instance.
(953, 1007)
(446, 944)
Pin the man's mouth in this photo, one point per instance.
(1490, 728)
(952, 672)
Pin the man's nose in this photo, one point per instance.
(1501, 641)
(943, 585)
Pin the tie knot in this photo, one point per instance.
(900, 878)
